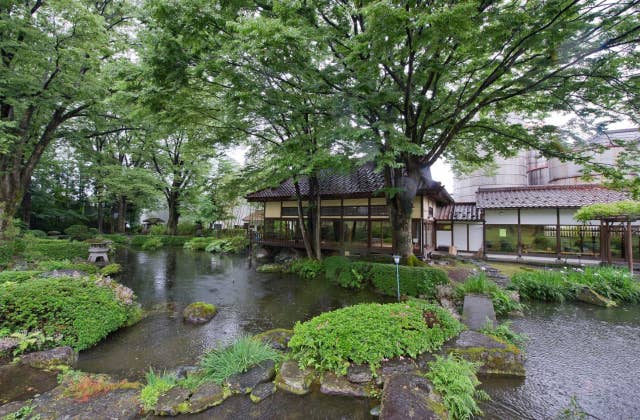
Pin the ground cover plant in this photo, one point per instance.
(306, 268)
(611, 282)
(17, 276)
(369, 333)
(504, 333)
(503, 303)
(455, 379)
(157, 384)
(78, 312)
(36, 249)
(219, 365)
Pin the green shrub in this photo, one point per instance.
(172, 240)
(116, 238)
(52, 265)
(414, 281)
(456, 381)
(78, 311)
(351, 278)
(219, 365)
(369, 333)
(480, 284)
(186, 229)
(36, 233)
(158, 230)
(53, 249)
(197, 244)
(505, 333)
(306, 268)
(31, 341)
(111, 269)
(550, 286)
(78, 232)
(227, 245)
(152, 243)
(17, 276)
(333, 266)
(138, 240)
(156, 386)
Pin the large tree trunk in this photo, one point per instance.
(100, 217)
(173, 202)
(314, 216)
(26, 208)
(406, 182)
(303, 226)
(122, 215)
(11, 193)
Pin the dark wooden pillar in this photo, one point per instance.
(629, 246)
(519, 246)
(558, 240)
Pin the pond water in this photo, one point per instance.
(573, 350)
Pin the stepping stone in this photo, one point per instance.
(406, 397)
(340, 385)
(262, 391)
(292, 379)
(496, 358)
(207, 395)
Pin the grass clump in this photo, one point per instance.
(111, 269)
(152, 243)
(504, 333)
(480, 284)
(369, 333)
(455, 379)
(156, 386)
(219, 365)
(78, 312)
(414, 281)
(197, 244)
(611, 282)
(306, 268)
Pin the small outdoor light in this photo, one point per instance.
(396, 259)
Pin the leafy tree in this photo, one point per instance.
(54, 61)
(441, 79)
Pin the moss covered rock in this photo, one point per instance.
(270, 268)
(292, 379)
(588, 295)
(494, 356)
(277, 338)
(199, 312)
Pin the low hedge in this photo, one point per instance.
(17, 276)
(36, 249)
(78, 312)
(414, 281)
(369, 333)
(167, 240)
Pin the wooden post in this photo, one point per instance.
(519, 246)
(558, 238)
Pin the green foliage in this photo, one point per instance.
(152, 243)
(116, 238)
(156, 386)
(76, 311)
(369, 333)
(111, 269)
(32, 341)
(52, 265)
(158, 230)
(334, 265)
(218, 365)
(414, 281)
(271, 268)
(17, 276)
(573, 411)
(197, 244)
(36, 233)
(455, 379)
(306, 268)
(480, 284)
(620, 209)
(162, 240)
(53, 249)
(78, 232)
(505, 333)
(23, 413)
(557, 286)
(186, 229)
(231, 245)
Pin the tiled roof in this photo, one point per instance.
(463, 212)
(546, 196)
(256, 216)
(362, 182)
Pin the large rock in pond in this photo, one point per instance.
(7, 346)
(199, 313)
(262, 391)
(477, 312)
(292, 379)
(207, 395)
(173, 402)
(397, 365)
(277, 338)
(119, 400)
(408, 396)
(243, 383)
(270, 268)
(332, 384)
(286, 255)
(359, 374)
(588, 295)
(494, 356)
(59, 356)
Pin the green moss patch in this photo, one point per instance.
(369, 333)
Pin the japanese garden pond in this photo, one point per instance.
(573, 350)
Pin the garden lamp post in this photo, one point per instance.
(396, 259)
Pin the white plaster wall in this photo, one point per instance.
(443, 238)
(538, 217)
(475, 237)
(460, 236)
(566, 218)
(501, 217)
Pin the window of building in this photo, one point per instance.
(356, 210)
(331, 211)
(330, 231)
(379, 210)
(538, 239)
(381, 234)
(356, 232)
(501, 238)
